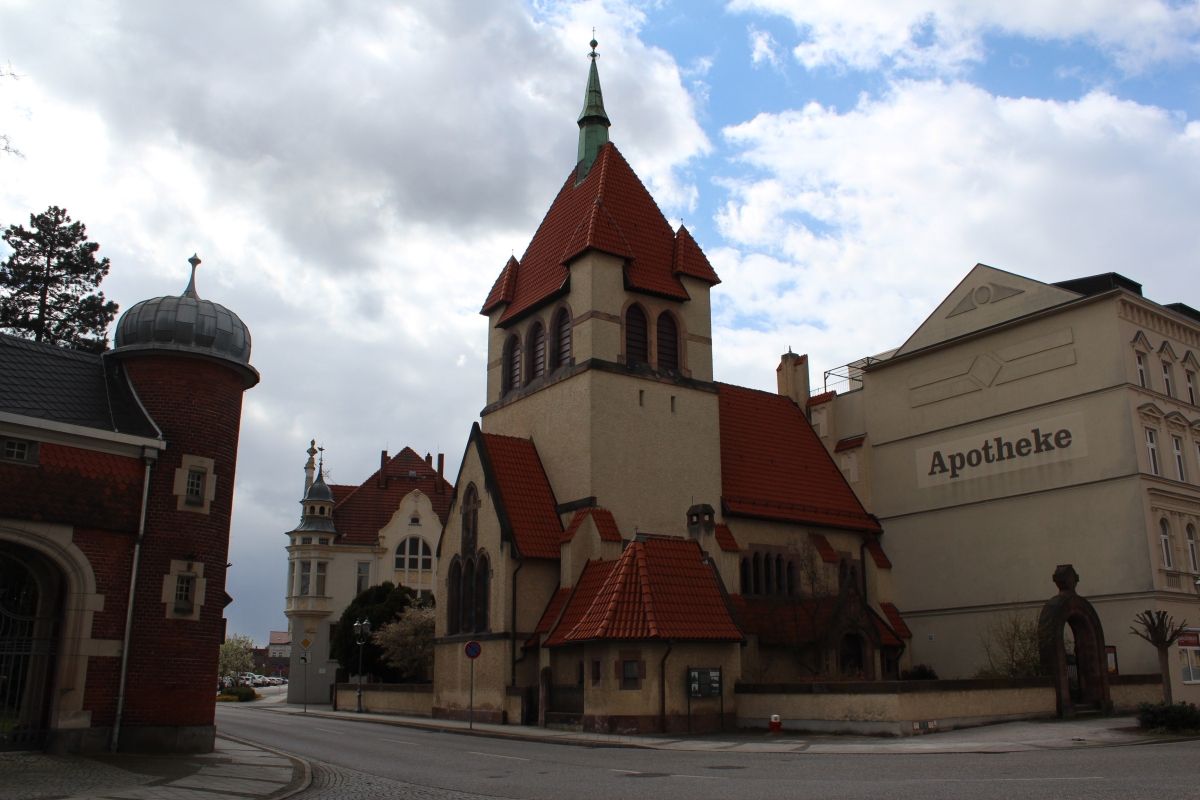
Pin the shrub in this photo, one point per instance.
(240, 694)
(1169, 716)
(919, 672)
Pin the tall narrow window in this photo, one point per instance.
(305, 577)
(321, 568)
(746, 586)
(668, 342)
(1152, 450)
(757, 573)
(454, 598)
(1177, 447)
(1191, 386)
(779, 575)
(482, 578)
(791, 578)
(291, 587)
(1164, 537)
(1167, 378)
(1141, 370)
(414, 560)
(561, 353)
(194, 493)
(537, 351)
(468, 596)
(185, 593)
(1193, 556)
(512, 365)
(470, 520)
(362, 577)
(636, 347)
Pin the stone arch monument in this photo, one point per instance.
(1087, 688)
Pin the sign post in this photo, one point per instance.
(472, 650)
(304, 681)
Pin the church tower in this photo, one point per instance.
(600, 344)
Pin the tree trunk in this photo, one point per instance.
(1164, 666)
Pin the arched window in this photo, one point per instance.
(1192, 555)
(1164, 536)
(470, 520)
(636, 348)
(414, 560)
(561, 351)
(746, 587)
(757, 574)
(482, 578)
(791, 579)
(468, 596)
(537, 351)
(668, 342)
(453, 598)
(778, 574)
(512, 365)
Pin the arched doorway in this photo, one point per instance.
(31, 590)
(1071, 644)
(850, 655)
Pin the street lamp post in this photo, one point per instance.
(362, 633)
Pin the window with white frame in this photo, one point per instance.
(1167, 378)
(321, 567)
(19, 450)
(305, 578)
(1192, 554)
(1177, 447)
(1152, 450)
(1191, 386)
(414, 559)
(1164, 538)
(362, 577)
(1189, 656)
(1141, 370)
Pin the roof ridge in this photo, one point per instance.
(646, 590)
(49, 348)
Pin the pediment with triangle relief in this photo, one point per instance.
(985, 297)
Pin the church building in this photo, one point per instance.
(627, 536)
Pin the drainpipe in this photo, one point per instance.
(513, 625)
(148, 456)
(662, 689)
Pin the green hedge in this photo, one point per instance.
(1174, 717)
(240, 694)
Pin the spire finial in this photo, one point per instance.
(190, 291)
(593, 121)
(593, 44)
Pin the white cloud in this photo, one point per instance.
(849, 227)
(944, 35)
(763, 47)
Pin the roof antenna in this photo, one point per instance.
(190, 291)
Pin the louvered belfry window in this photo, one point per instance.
(636, 349)
(512, 364)
(668, 342)
(537, 351)
(562, 338)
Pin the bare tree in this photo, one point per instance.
(816, 606)
(1010, 645)
(407, 643)
(1160, 630)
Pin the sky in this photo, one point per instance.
(355, 175)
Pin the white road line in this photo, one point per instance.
(494, 755)
(626, 771)
(397, 741)
(327, 730)
(699, 777)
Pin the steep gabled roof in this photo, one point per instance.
(725, 539)
(360, 512)
(773, 466)
(660, 588)
(524, 500)
(896, 620)
(610, 211)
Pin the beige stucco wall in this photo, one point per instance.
(414, 700)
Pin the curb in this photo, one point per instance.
(290, 790)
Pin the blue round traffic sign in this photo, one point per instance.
(473, 649)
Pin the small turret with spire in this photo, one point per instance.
(317, 506)
(593, 121)
(310, 466)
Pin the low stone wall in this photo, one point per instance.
(410, 699)
(894, 708)
(1127, 691)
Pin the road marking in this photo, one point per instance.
(397, 741)
(699, 777)
(327, 730)
(494, 755)
(626, 771)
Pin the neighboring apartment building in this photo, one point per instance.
(1025, 425)
(116, 488)
(619, 516)
(352, 537)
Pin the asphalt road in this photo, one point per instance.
(353, 760)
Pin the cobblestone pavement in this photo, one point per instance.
(339, 783)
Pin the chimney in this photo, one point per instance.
(791, 377)
(429, 460)
(382, 482)
(701, 521)
(441, 467)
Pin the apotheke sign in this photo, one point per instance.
(1044, 441)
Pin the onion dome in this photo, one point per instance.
(317, 507)
(187, 325)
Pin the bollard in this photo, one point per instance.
(775, 725)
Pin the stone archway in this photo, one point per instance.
(31, 593)
(1087, 689)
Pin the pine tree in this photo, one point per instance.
(48, 283)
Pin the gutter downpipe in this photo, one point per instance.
(512, 680)
(133, 576)
(662, 686)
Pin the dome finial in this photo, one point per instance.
(190, 291)
(593, 44)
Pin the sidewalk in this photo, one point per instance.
(235, 768)
(1005, 737)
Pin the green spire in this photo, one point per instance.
(593, 122)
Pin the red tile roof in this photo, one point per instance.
(603, 519)
(887, 637)
(773, 466)
(896, 621)
(877, 555)
(849, 443)
(280, 637)
(725, 539)
(549, 616)
(528, 510)
(360, 512)
(660, 588)
(824, 548)
(823, 397)
(612, 212)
